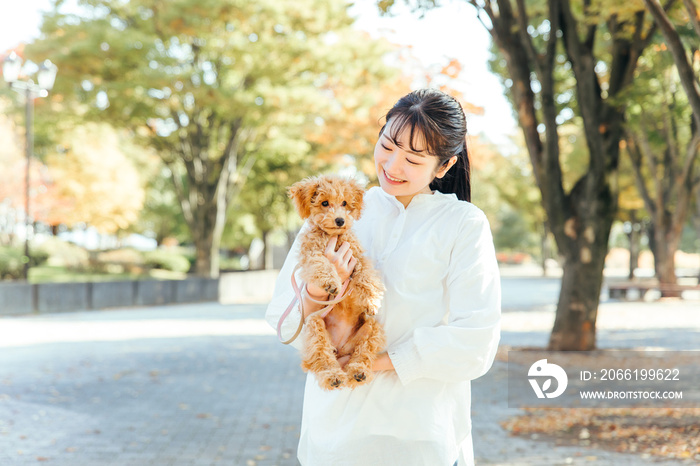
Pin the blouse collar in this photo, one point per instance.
(433, 198)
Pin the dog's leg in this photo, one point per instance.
(318, 270)
(367, 342)
(319, 355)
(369, 288)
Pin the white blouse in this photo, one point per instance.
(441, 313)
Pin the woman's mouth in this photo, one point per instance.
(391, 179)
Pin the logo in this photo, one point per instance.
(543, 369)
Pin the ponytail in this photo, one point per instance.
(457, 180)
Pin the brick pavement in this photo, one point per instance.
(208, 384)
(199, 385)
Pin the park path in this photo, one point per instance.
(209, 384)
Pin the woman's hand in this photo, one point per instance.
(343, 261)
(382, 363)
(343, 360)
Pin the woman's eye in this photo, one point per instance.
(324, 203)
(344, 203)
(385, 147)
(411, 162)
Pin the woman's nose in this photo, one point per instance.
(390, 160)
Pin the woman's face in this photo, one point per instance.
(402, 172)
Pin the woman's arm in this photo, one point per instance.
(283, 294)
(382, 363)
(465, 348)
(344, 263)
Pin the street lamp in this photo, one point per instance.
(45, 76)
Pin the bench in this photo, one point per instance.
(619, 290)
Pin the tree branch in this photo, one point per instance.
(691, 155)
(525, 36)
(181, 192)
(588, 93)
(554, 20)
(636, 158)
(673, 41)
(693, 14)
(589, 41)
(653, 164)
(686, 184)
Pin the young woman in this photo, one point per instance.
(441, 308)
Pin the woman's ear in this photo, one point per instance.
(301, 193)
(442, 171)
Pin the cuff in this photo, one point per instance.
(405, 359)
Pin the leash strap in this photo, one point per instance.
(297, 298)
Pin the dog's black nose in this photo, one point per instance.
(340, 221)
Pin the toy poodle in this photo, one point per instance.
(331, 204)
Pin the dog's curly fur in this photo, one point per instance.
(332, 204)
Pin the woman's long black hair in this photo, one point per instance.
(440, 122)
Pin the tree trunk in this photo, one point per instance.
(665, 267)
(203, 254)
(696, 222)
(634, 253)
(664, 256)
(574, 326)
(544, 247)
(584, 259)
(580, 220)
(204, 237)
(633, 239)
(267, 250)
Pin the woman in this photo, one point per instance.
(441, 308)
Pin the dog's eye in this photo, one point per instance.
(324, 203)
(344, 203)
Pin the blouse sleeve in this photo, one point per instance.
(465, 348)
(284, 294)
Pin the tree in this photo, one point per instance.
(202, 82)
(264, 205)
(600, 45)
(686, 74)
(503, 186)
(46, 202)
(663, 143)
(99, 185)
(631, 213)
(161, 214)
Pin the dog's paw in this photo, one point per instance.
(332, 287)
(358, 374)
(331, 379)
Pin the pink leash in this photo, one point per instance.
(297, 298)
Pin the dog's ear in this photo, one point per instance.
(357, 194)
(301, 193)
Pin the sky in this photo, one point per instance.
(451, 31)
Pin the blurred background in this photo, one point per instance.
(147, 139)
(152, 141)
(170, 136)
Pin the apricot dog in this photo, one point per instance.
(332, 204)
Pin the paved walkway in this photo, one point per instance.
(208, 384)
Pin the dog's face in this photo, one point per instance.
(331, 202)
